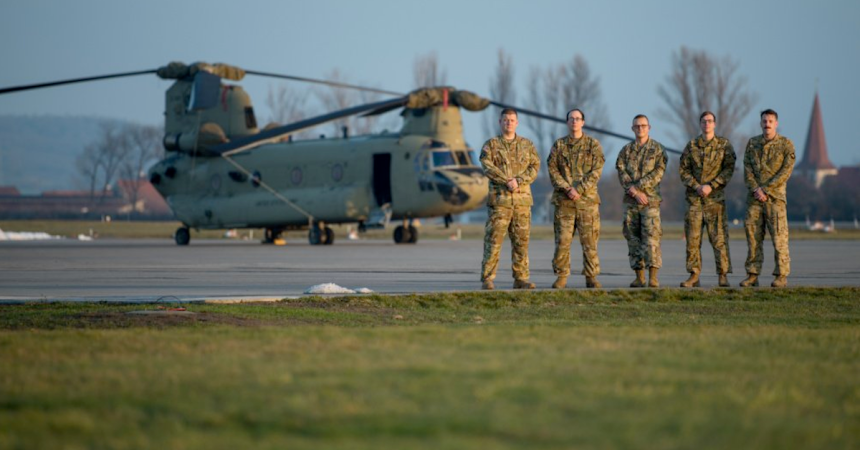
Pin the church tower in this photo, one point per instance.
(816, 165)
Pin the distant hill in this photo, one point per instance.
(37, 153)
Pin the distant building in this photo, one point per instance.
(815, 165)
(146, 204)
(9, 191)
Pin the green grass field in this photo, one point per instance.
(712, 369)
(140, 229)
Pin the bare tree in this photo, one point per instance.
(501, 90)
(113, 145)
(89, 165)
(582, 90)
(287, 106)
(702, 82)
(427, 73)
(101, 160)
(335, 98)
(559, 88)
(144, 146)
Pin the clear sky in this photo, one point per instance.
(785, 49)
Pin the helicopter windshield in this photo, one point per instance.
(446, 158)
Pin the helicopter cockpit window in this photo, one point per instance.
(444, 158)
(463, 157)
(250, 119)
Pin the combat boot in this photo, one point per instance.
(750, 281)
(560, 283)
(653, 281)
(591, 282)
(780, 281)
(640, 279)
(724, 280)
(523, 284)
(693, 281)
(488, 285)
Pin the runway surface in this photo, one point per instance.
(145, 270)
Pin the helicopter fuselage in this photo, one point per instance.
(294, 184)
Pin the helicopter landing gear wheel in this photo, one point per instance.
(321, 235)
(182, 236)
(405, 234)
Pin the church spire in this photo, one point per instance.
(816, 164)
(815, 152)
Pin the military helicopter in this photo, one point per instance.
(223, 172)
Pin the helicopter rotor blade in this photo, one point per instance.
(28, 87)
(379, 111)
(247, 143)
(559, 120)
(324, 82)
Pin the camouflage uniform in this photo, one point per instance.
(509, 212)
(767, 165)
(576, 163)
(712, 163)
(642, 167)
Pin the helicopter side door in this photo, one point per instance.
(382, 178)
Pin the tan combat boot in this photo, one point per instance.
(640, 279)
(591, 282)
(560, 283)
(724, 280)
(523, 284)
(780, 281)
(653, 281)
(751, 280)
(693, 281)
(488, 285)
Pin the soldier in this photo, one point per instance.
(511, 163)
(768, 162)
(640, 166)
(707, 165)
(575, 163)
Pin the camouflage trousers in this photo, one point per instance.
(712, 216)
(515, 221)
(771, 214)
(643, 230)
(569, 220)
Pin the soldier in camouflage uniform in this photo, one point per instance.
(707, 165)
(511, 163)
(768, 162)
(575, 163)
(640, 166)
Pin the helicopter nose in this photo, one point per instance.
(464, 187)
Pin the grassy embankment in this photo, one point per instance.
(765, 369)
(138, 229)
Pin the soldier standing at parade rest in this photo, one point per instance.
(768, 162)
(575, 163)
(511, 163)
(707, 165)
(640, 166)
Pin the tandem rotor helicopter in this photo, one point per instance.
(222, 172)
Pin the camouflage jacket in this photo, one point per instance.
(503, 161)
(575, 163)
(767, 165)
(642, 167)
(707, 162)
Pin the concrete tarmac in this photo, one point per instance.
(149, 269)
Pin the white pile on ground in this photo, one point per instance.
(26, 236)
(331, 288)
